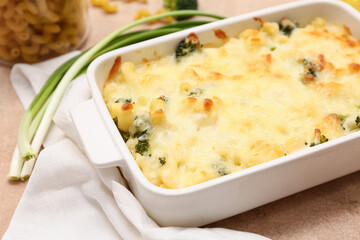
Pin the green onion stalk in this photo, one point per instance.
(37, 119)
(17, 164)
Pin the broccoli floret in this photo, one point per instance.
(124, 135)
(318, 138)
(164, 98)
(173, 5)
(115, 121)
(310, 67)
(187, 46)
(124, 100)
(357, 121)
(287, 27)
(221, 167)
(321, 140)
(162, 160)
(342, 119)
(142, 146)
(310, 71)
(195, 92)
(141, 127)
(140, 134)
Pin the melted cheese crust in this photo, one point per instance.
(258, 97)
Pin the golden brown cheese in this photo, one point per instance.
(265, 94)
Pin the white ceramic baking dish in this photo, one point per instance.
(234, 193)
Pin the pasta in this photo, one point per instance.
(35, 30)
(6, 54)
(16, 25)
(142, 13)
(52, 17)
(29, 6)
(4, 31)
(30, 50)
(42, 5)
(109, 8)
(51, 28)
(9, 10)
(31, 18)
(3, 2)
(3, 41)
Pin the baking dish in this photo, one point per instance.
(234, 193)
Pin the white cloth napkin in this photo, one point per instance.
(67, 197)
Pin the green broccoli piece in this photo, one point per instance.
(187, 46)
(124, 135)
(342, 119)
(115, 121)
(173, 5)
(321, 140)
(162, 160)
(310, 71)
(164, 98)
(140, 127)
(357, 121)
(141, 134)
(221, 168)
(142, 146)
(287, 27)
(195, 92)
(310, 67)
(124, 100)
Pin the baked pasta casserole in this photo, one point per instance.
(205, 111)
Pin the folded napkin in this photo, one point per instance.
(67, 197)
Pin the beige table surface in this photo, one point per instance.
(328, 211)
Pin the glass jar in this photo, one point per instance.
(36, 30)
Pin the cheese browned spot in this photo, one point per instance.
(115, 68)
(216, 75)
(309, 78)
(268, 58)
(208, 104)
(191, 99)
(220, 34)
(127, 106)
(321, 59)
(263, 94)
(194, 38)
(259, 20)
(351, 43)
(354, 67)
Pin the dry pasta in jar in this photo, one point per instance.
(35, 30)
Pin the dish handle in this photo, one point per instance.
(94, 136)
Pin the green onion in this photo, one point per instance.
(38, 117)
(17, 164)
